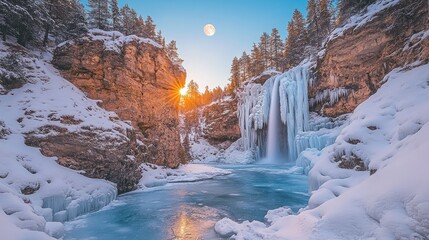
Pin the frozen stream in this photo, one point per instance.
(190, 210)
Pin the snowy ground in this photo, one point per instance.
(36, 193)
(388, 132)
(154, 175)
(203, 152)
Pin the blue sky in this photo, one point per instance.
(238, 24)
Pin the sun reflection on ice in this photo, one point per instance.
(194, 222)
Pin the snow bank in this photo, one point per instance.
(154, 175)
(390, 132)
(34, 189)
(203, 152)
(114, 40)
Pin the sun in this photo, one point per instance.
(183, 91)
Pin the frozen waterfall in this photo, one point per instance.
(270, 133)
(274, 124)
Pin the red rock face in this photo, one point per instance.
(221, 123)
(93, 153)
(138, 82)
(359, 60)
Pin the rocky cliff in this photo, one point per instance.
(359, 54)
(221, 122)
(134, 78)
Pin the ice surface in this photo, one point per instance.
(190, 210)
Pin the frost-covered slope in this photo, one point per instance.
(389, 132)
(36, 193)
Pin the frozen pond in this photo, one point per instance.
(190, 210)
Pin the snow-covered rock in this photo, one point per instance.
(154, 175)
(35, 191)
(203, 152)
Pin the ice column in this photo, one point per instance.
(274, 125)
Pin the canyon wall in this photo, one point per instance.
(221, 122)
(135, 78)
(359, 55)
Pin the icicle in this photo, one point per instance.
(330, 95)
(65, 209)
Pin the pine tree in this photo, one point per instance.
(163, 42)
(207, 96)
(11, 14)
(159, 38)
(218, 93)
(313, 27)
(140, 26)
(245, 65)
(76, 21)
(114, 9)
(276, 49)
(6, 8)
(192, 97)
(172, 53)
(129, 21)
(235, 73)
(325, 18)
(264, 48)
(26, 20)
(68, 20)
(296, 40)
(256, 61)
(99, 14)
(133, 27)
(150, 28)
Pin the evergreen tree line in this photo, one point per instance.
(106, 15)
(304, 36)
(39, 21)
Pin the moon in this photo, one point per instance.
(209, 30)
